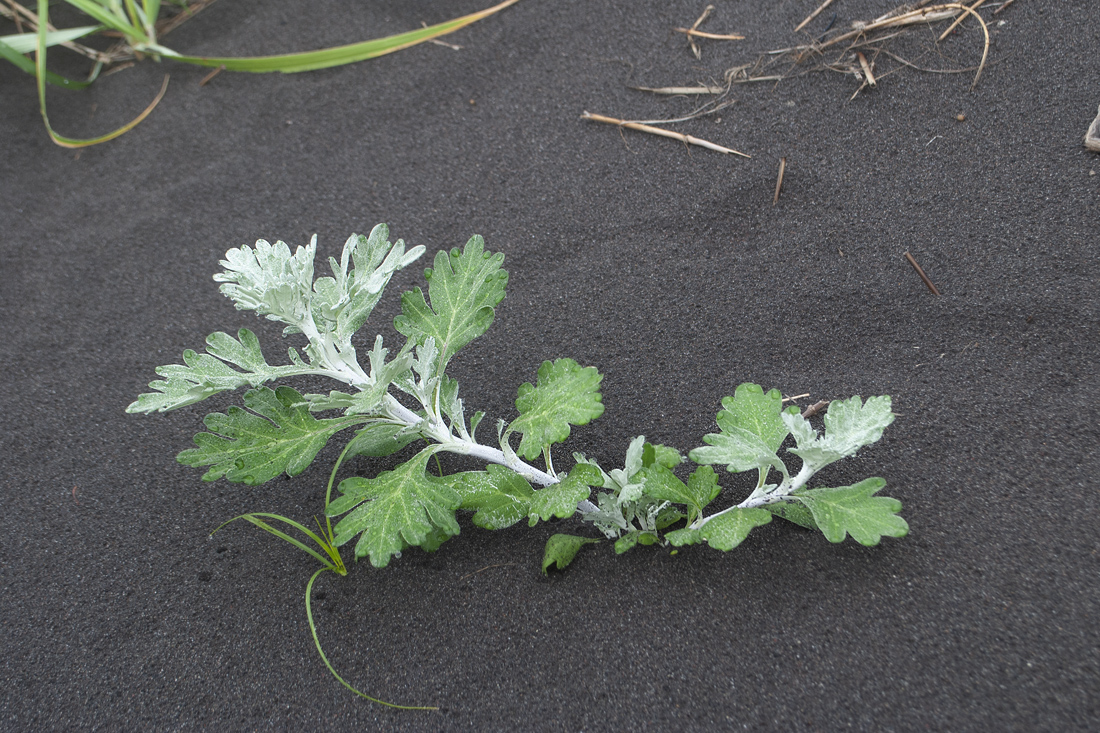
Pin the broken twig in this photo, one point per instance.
(206, 79)
(920, 272)
(681, 90)
(815, 408)
(690, 140)
(779, 181)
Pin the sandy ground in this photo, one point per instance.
(670, 269)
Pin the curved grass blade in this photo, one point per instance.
(334, 562)
(25, 64)
(40, 72)
(292, 63)
(317, 642)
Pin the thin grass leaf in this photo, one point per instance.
(25, 64)
(27, 42)
(334, 564)
(292, 63)
(317, 642)
(103, 15)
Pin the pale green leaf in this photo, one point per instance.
(203, 375)
(500, 496)
(566, 394)
(27, 42)
(751, 409)
(561, 499)
(739, 449)
(855, 511)
(725, 531)
(396, 509)
(270, 280)
(278, 436)
(561, 549)
(379, 439)
(752, 432)
(464, 289)
(849, 425)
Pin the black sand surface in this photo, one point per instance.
(667, 267)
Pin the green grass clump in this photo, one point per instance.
(140, 27)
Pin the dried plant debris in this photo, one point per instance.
(859, 51)
(1092, 137)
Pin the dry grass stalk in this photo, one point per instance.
(714, 36)
(640, 127)
(1004, 5)
(813, 15)
(681, 90)
(862, 45)
(958, 20)
(698, 22)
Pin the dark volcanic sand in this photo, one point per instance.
(666, 267)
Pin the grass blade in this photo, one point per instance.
(317, 642)
(27, 42)
(40, 72)
(308, 61)
(131, 31)
(333, 563)
(25, 64)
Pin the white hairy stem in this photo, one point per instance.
(780, 493)
(448, 442)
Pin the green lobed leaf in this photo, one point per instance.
(793, 511)
(723, 532)
(464, 289)
(635, 537)
(566, 394)
(752, 432)
(281, 437)
(700, 490)
(849, 425)
(855, 511)
(500, 496)
(751, 409)
(561, 549)
(396, 509)
(660, 454)
(561, 499)
(379, 439)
